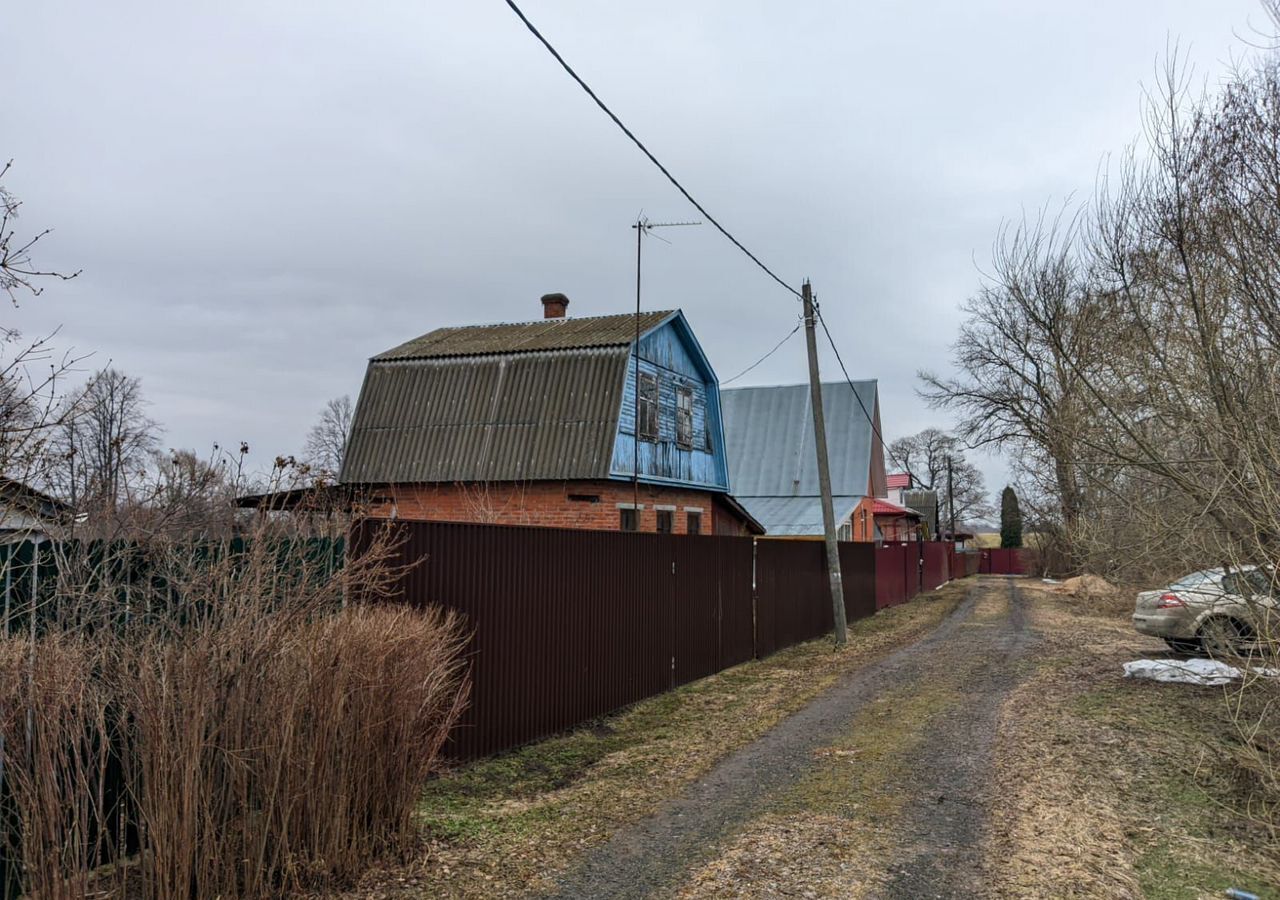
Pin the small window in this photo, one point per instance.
(648, 407)
(666, 521)
(629, 519)
(684, 417)
(694, 523)
(845, 533)
(706, 437)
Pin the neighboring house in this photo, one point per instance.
(773, 467)
(25, 512)
(542, 423)
(899, 483)
(896, 522)
(925, 503)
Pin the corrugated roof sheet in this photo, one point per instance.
(795, 516)
(496, 417)
(769, 440)
(527, 337)
(898, 480)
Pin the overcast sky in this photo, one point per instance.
(262, 195)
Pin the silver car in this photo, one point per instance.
(1221, 612)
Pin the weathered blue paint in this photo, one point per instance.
(672, 354)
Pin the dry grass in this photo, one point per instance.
(1111, 788)
(809, 856)
(504, 826)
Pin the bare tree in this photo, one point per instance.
(327, 440)
(924, 456)
(31, 370)
(1129, 357)
(1033, 332)
(18, 274)
(103, 443)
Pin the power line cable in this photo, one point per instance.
(775, 349)
(849, 381)
(710, 218)
(643, 149)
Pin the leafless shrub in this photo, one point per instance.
(264, 731)
(53, 719)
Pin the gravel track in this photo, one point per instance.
(943, 822)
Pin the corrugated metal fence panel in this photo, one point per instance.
(696, 615)
(936, 565)
(569, 625)
(891, 581)
(792, 584)
(858, 571)
(1002, 561)
(735, 561)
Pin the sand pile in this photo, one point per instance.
(1087, 586)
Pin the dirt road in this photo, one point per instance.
(901, 749)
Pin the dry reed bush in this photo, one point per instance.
(274, 754)
(53, 718)
(269, 735)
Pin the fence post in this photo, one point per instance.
(755, 604)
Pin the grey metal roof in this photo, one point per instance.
(769, 440)
(792, 516)
(550, 414)
(527, 337)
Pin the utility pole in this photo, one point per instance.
(824, 469)
(951, 500)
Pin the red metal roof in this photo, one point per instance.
(885, 508)
(898, 480)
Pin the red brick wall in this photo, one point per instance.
(545, 503)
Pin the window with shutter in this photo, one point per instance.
(684, 417)
(648, 407)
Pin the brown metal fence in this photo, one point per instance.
(568, 625)
(1002, 562)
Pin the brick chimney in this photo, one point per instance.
(554, 305)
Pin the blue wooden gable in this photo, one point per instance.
(671, 354)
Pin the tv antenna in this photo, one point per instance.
(643, 226)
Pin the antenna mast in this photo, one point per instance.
(642, 226)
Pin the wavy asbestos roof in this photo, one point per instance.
(769, 440)
(511, 402)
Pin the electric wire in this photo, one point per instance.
(817, 312)
(710, 218)
(775, 349)
(643, 149)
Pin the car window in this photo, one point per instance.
(1194, 580)
(1259, 582)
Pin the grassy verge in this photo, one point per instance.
(509, 824)
(1119, 788)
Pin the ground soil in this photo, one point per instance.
(944, 776)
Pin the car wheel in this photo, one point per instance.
(1223, 637)
(1186, 647)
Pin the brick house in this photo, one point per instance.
(566, 422)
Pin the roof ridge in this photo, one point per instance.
(559, 320)
(614, 330)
